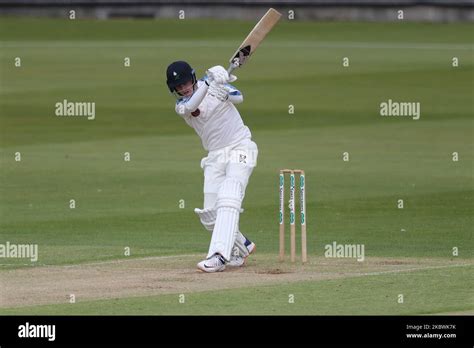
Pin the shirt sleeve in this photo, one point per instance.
(185, 106)
(181, 109)
(235, 96)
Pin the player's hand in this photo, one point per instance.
(218, 74)
(218, 91)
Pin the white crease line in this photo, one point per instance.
(132, 260)
(414, 269)
(150, 258)
(103, 262)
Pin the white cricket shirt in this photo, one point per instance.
(217, 123)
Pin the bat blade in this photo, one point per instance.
(254, 38)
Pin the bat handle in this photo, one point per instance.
(233, 65)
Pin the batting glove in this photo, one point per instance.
(218, 91)
(218, 74)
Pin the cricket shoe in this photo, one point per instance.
(215, 263)
(251, 247)
(236, 261)
(239, 261)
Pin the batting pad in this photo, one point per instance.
(240, 245)
(208, 220)
(229, 201)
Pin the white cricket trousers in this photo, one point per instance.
(234, 161)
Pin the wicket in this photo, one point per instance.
(292, 173)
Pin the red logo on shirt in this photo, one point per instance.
(196, 113)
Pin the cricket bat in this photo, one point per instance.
(253, 40)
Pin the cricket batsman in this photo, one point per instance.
(208, 106)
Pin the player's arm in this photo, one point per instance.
(186, 106)
(235, 96)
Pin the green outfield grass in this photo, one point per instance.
(136, 204)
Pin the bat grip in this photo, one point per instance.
(233, 65)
